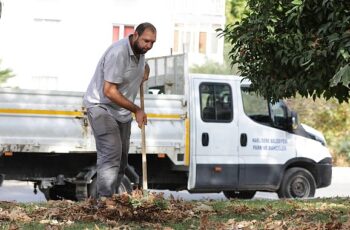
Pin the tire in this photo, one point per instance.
(297, 183)
(60, 192)
(245, 195)
(125, 186)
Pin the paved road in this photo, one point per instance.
(23, 191)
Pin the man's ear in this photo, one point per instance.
(135, 35)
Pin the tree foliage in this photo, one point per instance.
(5, 74)
(287, 47)
(235, 10)
(332, 119)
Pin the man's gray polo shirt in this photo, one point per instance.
(118, 65)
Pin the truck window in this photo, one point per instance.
(255, 107)
(216, 102)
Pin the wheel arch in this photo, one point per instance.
(301, 162)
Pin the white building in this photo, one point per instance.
(56, 44)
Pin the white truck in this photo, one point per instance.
(216, 136)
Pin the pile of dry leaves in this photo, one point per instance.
(136, 207)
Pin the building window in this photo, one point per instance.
(176, 41)
(128, 30)
(122, 30)
(202, 42)
(214, 43)
(189, 47)
(217, 6)
(115, 33)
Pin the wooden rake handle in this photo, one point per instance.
(143, 144)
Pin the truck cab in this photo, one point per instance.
(241, 143)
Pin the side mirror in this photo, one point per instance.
(283, 118)
(294, 120)
(279, 116)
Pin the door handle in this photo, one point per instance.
(244, 139)
(205, 139)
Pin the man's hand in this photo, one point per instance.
(111, 91)
(141, 118)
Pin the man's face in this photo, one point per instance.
(144, 42)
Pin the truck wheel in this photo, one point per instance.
(125, 186)
(297, 183)
(245, 195)
(60, 192)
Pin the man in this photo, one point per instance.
(110, 103)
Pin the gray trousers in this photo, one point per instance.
(112, 144)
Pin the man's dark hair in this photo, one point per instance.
(146, 25)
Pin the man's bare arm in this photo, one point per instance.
(111, 91)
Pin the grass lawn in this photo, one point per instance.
(153, 211)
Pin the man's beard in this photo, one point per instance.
(137, 49)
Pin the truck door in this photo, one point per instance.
(265, 144)
(213, 162)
